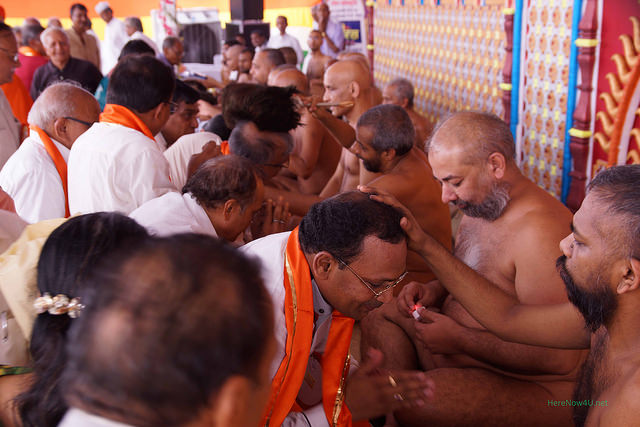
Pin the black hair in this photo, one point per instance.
(340, 224)
(77, 6)
(392, 128)
(31, 32)
(136, 47)
(274, 56)
(140, 83)
(217, 125)
(257, 148)
(185, 93)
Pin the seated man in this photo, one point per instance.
(400, 92)
(230, 71)
(117, 164)
(62, 66)
(35, 176)
(164, 292)
(245, 58)
(172, 53)
(509, 235)
(219, 199)
(315, 276)
(184, 115)
(263, 62)
(315, 63)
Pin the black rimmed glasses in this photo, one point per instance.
(73, 119)
(372, 286)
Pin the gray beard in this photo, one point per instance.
(491, 207)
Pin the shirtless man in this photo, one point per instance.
(509, 235)
(263, 62)
(316, 153)
(400, 92)
(230, 71)
(315, 63)
(384, 142)
(244, 65)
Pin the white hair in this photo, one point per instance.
(58, 100)
(51, 30)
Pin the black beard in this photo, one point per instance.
(491, 207)
(597, 306)
(371, 165)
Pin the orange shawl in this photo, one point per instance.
(123, 116)
(58, 161)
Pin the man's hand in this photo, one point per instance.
(437, 332)
(417, 237)
(417, 294)
(372, 392)
(272, 218)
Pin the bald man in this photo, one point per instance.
(230, 69)
(263, 62)
(400, 92)
(509, 234)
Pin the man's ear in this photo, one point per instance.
(354, 88)
(405, 103)
(497, 164)
(229, 207)
(630, 277)
(157, 112)
(59, 130)
(232, 401)
(388, 154)
(322, 264)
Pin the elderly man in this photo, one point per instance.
(165, 292)
(32, 54)
(115, 37)
(219, 200)
(9, 127)
(133, 27)
(509, 235)
(62, 66)
(321, 277)
(400, 92)
(36, 175)
(283, 39)
(263, 62)
(82, 45)
(331, 31)
(184, 115)
(172, 53)
(117, 165)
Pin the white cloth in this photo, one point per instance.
(277, 41)
(270, 250)
(179, 154)
(115, 168)
(77, 418)
(162, 143)
(305, 63)
(115, 38)
(31, 179)
(9, 130)
(174, 213)
(139, 35)
(335, 33)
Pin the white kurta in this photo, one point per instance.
(115, 168)
(270, 250)
(139, 35)
(174, 213)
(115, 38)
(277, 41)
(77, 418)
(31, 179)
(9, 130)
(180, 152)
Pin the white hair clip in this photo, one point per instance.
(60, 304)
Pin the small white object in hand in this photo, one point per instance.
(415, 313)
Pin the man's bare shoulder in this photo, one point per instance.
(536, 210)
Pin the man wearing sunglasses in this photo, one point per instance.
(335, 268)
(9, 126)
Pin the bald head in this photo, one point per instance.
(292, 77)
(478, 135)
(350, 70)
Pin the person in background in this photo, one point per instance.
(283, 39)
(31, 53)
(82, 45)
(258, 40)
(184, 115)
(115, 36)
(10, 127)
(133, 27)
(331, 31)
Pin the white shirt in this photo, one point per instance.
(9, 130)
(115, 168)
(31, 179)
(287, 40)
(270, 250)
(139, 35)
(174, 213)
(180, 152)
(115, 37)
(162, 143)
(335, 33)
(78, 418)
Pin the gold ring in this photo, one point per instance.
(398, 397)
(392, 381)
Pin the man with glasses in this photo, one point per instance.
(335, 268)
(117, 165)
(36, 175)
(184, 115)
(9, 126)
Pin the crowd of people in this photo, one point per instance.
(282, 251)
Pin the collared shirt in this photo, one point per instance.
(335, 33)
(174, 213)
(115, 168)
(166, 62)
(9, 130)
(78, 70)
(139, 35)
(75, 417)
(287, 40)
(84, 47)
(30, 177)
(115, 38)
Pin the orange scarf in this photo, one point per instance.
(28, 51)
(224, 148)
(58, 161)
(123, 116)
(299, 318)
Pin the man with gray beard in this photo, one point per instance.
(509, 235)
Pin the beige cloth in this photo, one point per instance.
(84, 47)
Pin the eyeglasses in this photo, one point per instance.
(73, 119)
(173, 106)
(284, 164)
(12, 56)
(370, 285)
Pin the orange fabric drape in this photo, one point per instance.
(123, 116)
(19, 98)
(28, 51)
(299, 318)
(224, 148)
(58, 161)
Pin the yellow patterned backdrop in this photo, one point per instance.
(453, 54)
